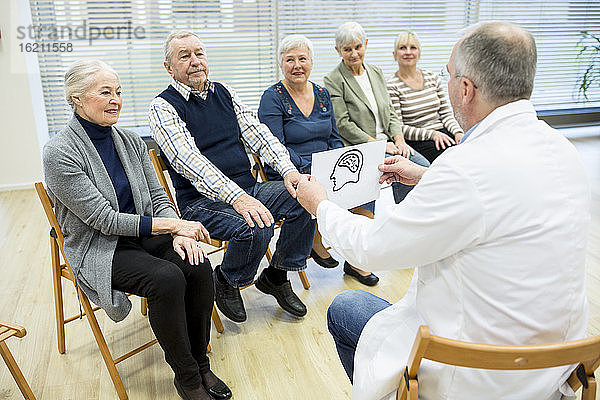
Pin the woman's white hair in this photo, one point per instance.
(349, 32)
(291, 42)
(80, 77)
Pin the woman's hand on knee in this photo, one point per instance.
(191, 229)
(442, 140)
(180, 227)
(184, 245)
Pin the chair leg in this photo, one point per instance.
(590, 392)
(302, 274)
(144, 305)
(413, 393)
(58, 295)
(217, 320)
(108, 359)
(401, 393)
(269, 255)
(16, 372)
(304, 279)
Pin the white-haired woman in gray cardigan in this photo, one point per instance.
(122, 233)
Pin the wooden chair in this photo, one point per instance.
(63, 270)
(160, 167)
(584, 352)
(258, 170)
(8, 330)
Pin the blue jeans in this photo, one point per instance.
(400, 190)
(247, 246)
(346, 317)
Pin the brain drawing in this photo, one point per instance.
(347, 169)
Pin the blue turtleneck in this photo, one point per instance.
(101, 137)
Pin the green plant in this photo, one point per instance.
(589, 53)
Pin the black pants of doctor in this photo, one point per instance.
(180, 300)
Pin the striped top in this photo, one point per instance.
(423, 111)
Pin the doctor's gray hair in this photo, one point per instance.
(177, 35)
(349, 32)
(292, 42)
(80, 77)
(500, 58)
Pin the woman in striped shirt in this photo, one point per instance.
(417, 95)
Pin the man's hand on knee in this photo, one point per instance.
(253, 210)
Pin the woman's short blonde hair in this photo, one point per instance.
(405, 38)
(80, 77)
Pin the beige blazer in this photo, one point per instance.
(353, 114)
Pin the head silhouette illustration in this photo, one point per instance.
(347, 169)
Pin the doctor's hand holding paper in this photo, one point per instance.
(400, 169)
(394, 169)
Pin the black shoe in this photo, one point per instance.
(369, 280)
(190, 394)
(328, 262)
(285, 296)
(219, 390)
(228, 299)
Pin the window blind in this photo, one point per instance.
(238, 35)
(555, 25)
(242, 38)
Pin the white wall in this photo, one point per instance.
(20, 115)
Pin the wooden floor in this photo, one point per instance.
(271, 356)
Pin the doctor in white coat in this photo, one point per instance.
(496, 229)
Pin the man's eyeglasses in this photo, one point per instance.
(445, 76)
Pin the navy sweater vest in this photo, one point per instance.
(214, 127)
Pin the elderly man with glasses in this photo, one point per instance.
(496, 229)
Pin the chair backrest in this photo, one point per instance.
(258, 167)
(48, 206)
(585, 352)
(160, 167)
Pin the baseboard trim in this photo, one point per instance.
(16, 186)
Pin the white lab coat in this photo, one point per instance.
(497, 228)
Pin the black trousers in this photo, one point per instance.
(427, 147)
(180, 300)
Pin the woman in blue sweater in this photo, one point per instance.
(300, 114)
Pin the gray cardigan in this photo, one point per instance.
(353, 114)
(86, 206)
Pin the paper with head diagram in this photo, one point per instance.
(350, 174)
